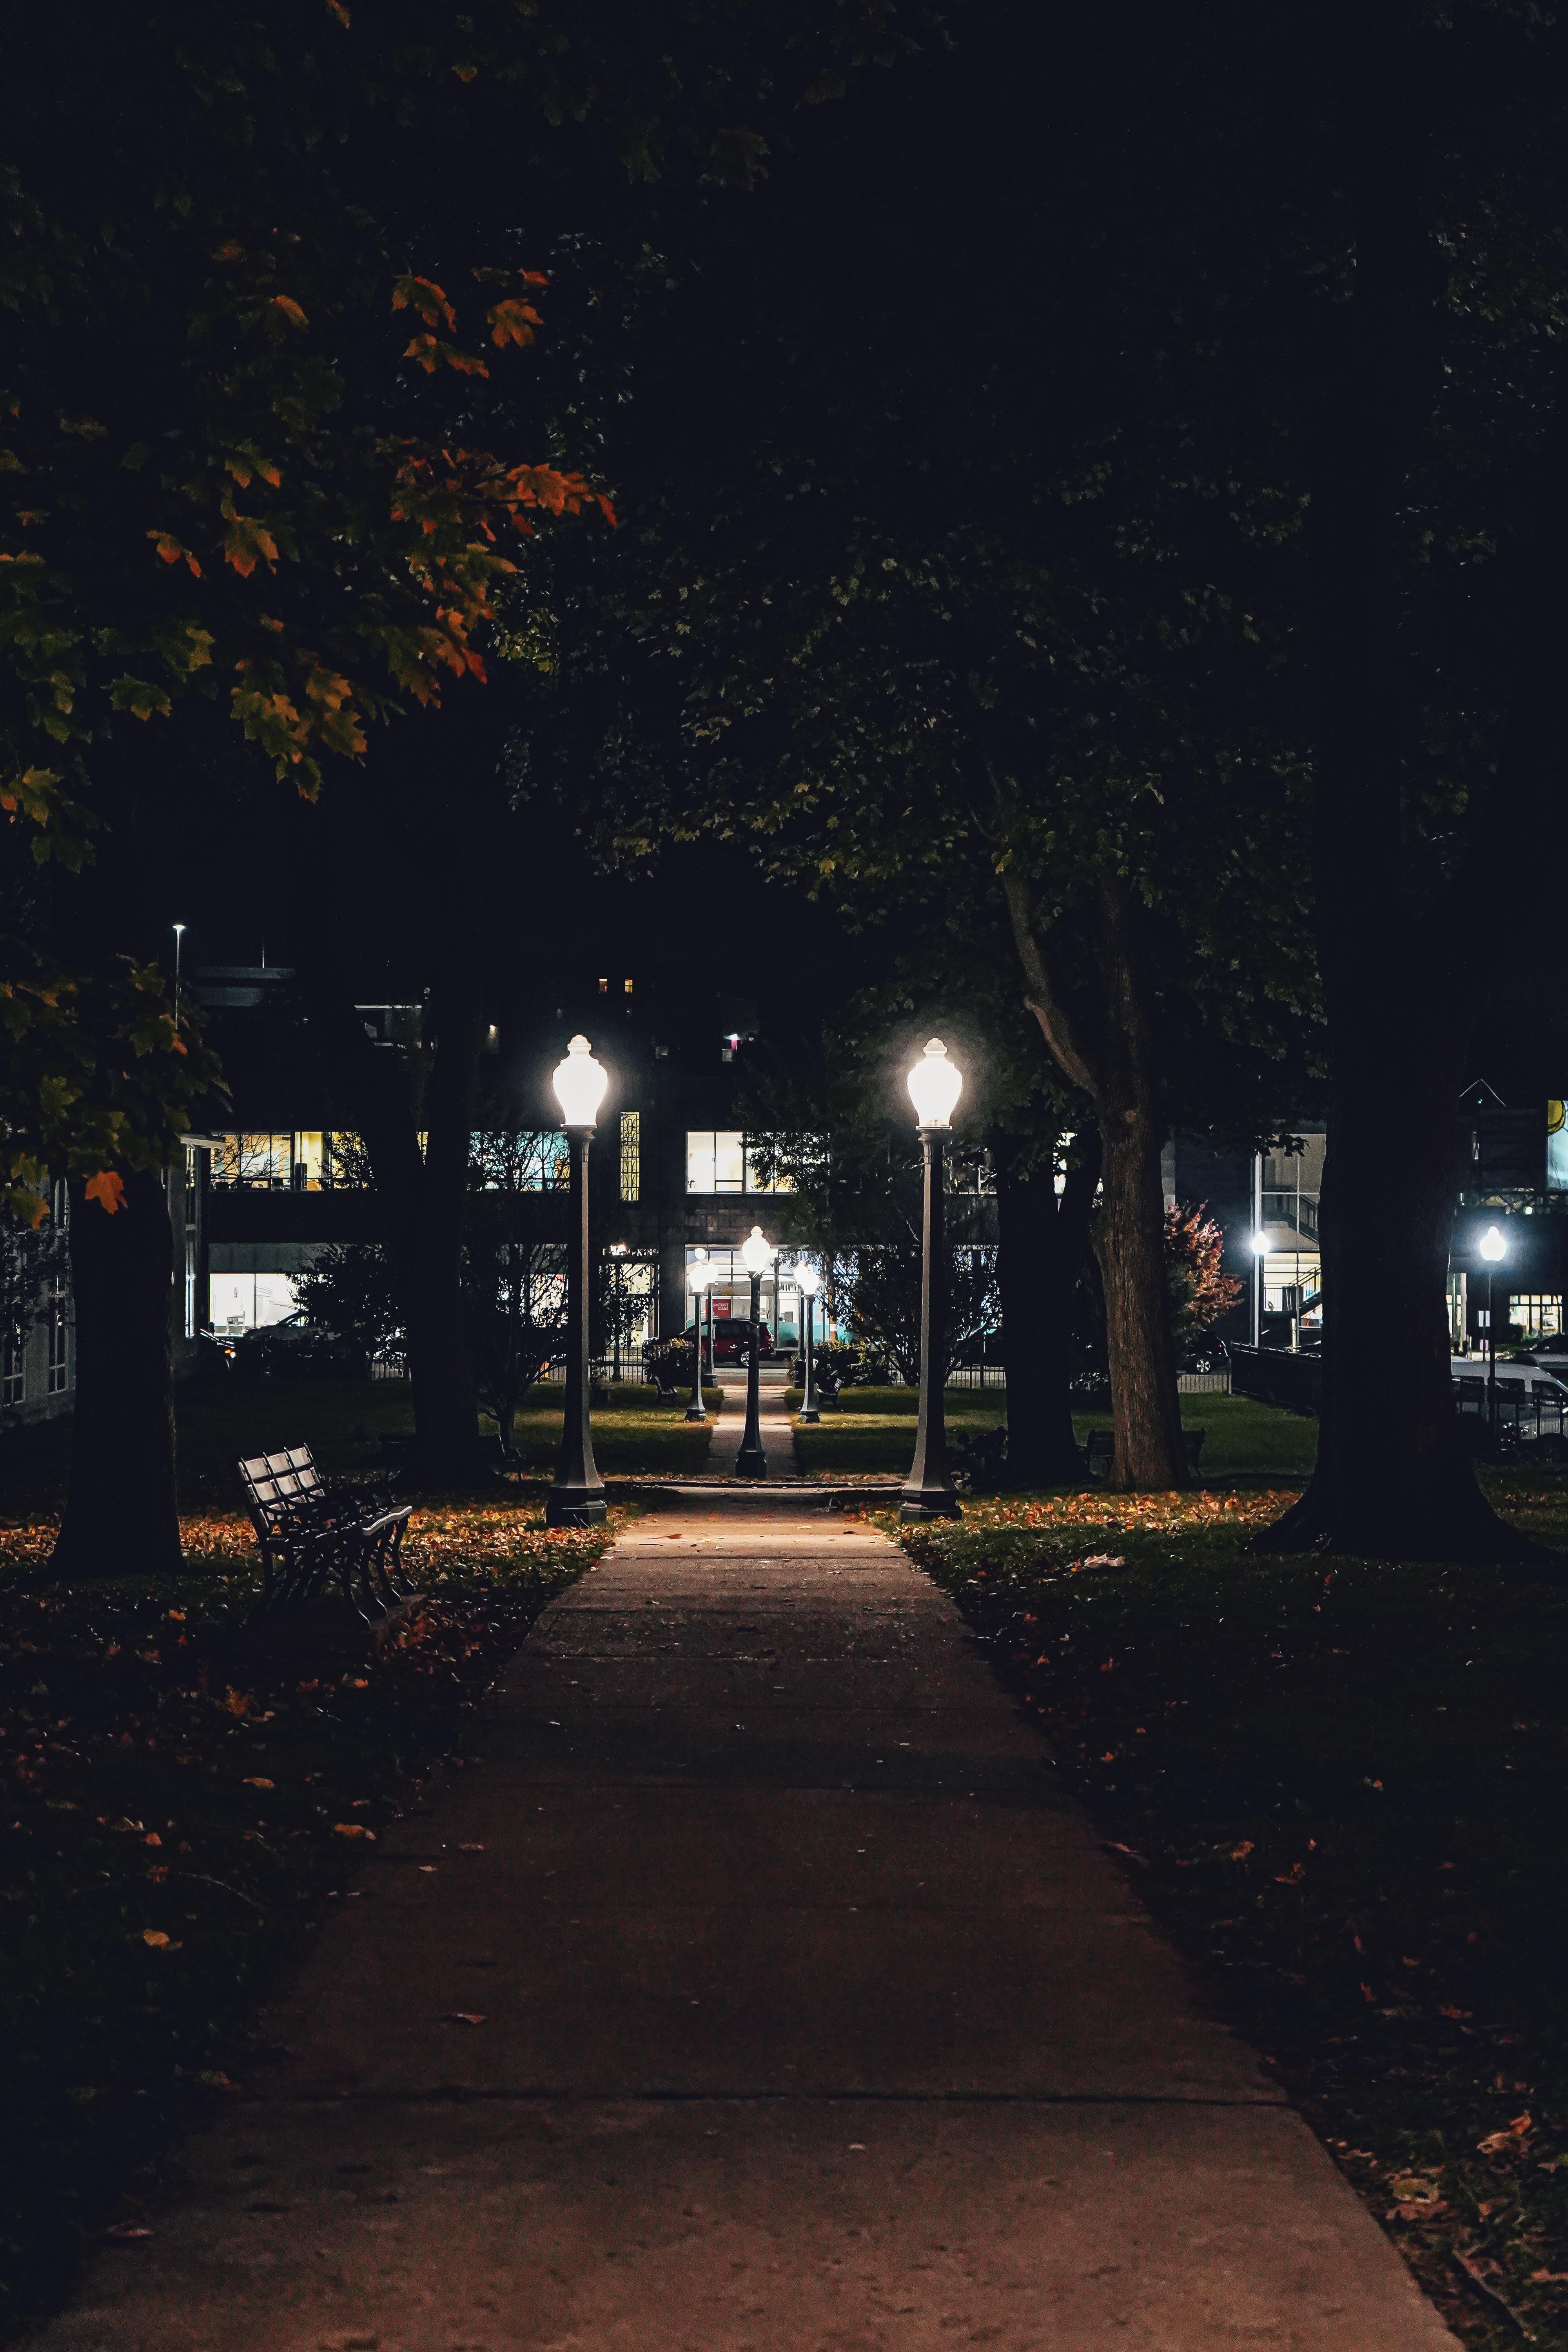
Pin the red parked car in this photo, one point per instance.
(732, 1340)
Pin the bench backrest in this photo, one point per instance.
(275, 1483)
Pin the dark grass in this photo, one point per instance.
(1342, 1784)
(874, 1430)
(157, 1783)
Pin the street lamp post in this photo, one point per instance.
(179, 937)
(698, 1277)
(934, 1085)
(577, 1498)
(807, 1277)
(752, 1461)
(1493, 1248)
(618, 1251)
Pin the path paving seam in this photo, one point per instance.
(779, 2001)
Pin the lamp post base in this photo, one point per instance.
(574, 1506)
(751, 1464)
(808, 1416)
(929, 1503)
(696, 1412)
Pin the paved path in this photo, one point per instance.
(806, 2018)
(729, 1428)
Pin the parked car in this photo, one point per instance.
(732, 1340)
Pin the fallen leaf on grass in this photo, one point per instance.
(1239, 1852)
(125, 2234)
(216, 2081)
(471, 1849)
(157, 1942)
(464, 2017)
(1549, 2278)
(260, 1784)
(1499, 2143)
(353, 1829)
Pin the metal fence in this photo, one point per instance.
(1528, 1411)
(1275, 1376)
(1204, 1383)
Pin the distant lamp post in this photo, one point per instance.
(698, 1275)
(577, 1498)
(179, 936)
(1494, 1249)
(934, 1086)
(758, 1254)
(807, 1279)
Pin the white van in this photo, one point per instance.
(1520, 1385)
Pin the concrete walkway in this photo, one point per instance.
(729, 1428)
(760, 1994)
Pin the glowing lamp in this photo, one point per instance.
(580, 1082)
(807, 1277)
(758, 1253)
(1260, 1245)
(700, 1275)
(935, 1084)
(1492, 1245)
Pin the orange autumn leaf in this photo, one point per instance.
(290, 310)
(171, 551)
(107, 1188)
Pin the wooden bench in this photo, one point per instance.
(1100, 1451)
(310, 1538)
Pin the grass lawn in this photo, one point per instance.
(873, 1430)
(632, 1433)
(1342, 1785)
(177, 1819)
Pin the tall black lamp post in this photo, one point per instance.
(698, 1275)
(807, 1277)
(934, 1085)
(577, 1498)
(752, 1461)
(1493, 1248)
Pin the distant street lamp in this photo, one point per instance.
(698, 1275)
(752, 1461)
(179, 936)
(577, 1498)
(1493, 1248)
(934, 1086)
(807, 1279)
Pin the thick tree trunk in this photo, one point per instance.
(122, 1511)
(1391, 1479)
(1118, 1069)
(1129, 1243)
(1043, 1244)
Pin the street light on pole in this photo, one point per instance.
(577, 1498)
(758, 1254)
(698, 1275)
(1493, 1248)
(934, 1084)
(179, 935)
(807, 1277)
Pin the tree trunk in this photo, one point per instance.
(1043, 1243)
(1119, 1072)
(1391, 1479)
(122, 1512)
(440, 1359)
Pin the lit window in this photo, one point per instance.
(58, 1330)
(604, 988)
(14, 1379)
(627, 986)
(536, 1160)
(631, 1152)
(1536, 1313)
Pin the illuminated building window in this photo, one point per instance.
(627, 985)
(722, 1160)
(631, 1152)
(604, 988)
(14, 1378)
(1535, 1313)
(59, 1345)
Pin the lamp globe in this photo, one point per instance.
(580, 1082)
(935, 1084)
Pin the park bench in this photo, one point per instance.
(1101, 1450)
(310, 1539)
